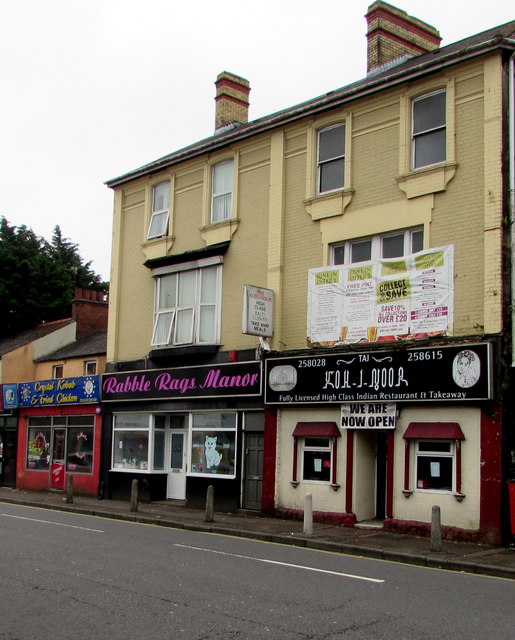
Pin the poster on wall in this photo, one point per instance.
(382, 300)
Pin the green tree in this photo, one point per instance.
(38, 278)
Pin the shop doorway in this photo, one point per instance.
(253, 470)
(8, 439)
(177, 447)
(381, 464)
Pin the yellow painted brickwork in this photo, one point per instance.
(282, 228)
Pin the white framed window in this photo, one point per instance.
(428, 130)
(316, 459)
(90, 367)
(138, 442)
(222, 176)
(388, 245)
(434, 465)
(331, 158)
(158, 225)
(57, 371)
(213, 444)
(187, 307)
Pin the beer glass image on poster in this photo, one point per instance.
(380, 300)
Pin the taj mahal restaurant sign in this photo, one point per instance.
(433, 374)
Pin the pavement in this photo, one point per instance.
(364, 541)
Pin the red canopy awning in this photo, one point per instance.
(434, 430)
(316, 429)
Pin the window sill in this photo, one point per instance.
(218, 232)
(427, 180)
(157, 247)
(329, 204)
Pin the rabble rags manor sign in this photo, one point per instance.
(232, 379)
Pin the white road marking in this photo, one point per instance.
(57, 524)
(283, 564)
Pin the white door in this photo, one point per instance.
(177, 447)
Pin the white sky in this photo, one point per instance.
(92, 89)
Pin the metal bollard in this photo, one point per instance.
(210, 504)
(436, 529)
(69, 489)
(308, 514)
(134, 495)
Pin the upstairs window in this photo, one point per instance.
(221, 191)
(331, 158)
(160, 210)
(187, 307)
(90, 367)
(391, 245)
(428, 130)
(57, 371)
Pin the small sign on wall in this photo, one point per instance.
(258, 311)
(368, 415)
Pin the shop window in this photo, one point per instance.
(160, 210)
(213, 445)
(428, 130)
(138, 443)
(188, 307)
(316, 459)
(388, 245)
(316, 443)
(221, 191)
(66, 439)
(331, 159)
(38, 448)
(437, 455)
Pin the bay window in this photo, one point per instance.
(187, 305)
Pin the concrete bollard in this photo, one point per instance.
(210, 504)
(134, 495)
(308, 514)
(436, 529)
(69, 490)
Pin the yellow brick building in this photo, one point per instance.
(415, 156)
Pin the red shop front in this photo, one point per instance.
(58, 441)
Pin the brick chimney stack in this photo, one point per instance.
(232, 100)
(89, 311)
(392, 34)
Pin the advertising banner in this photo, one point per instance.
(382, 300)
(59, 391)
(433, 374)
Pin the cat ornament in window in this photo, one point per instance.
(213, 457)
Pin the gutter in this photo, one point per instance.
(330, 100)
